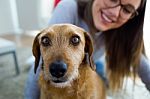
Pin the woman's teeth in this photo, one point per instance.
(106, 18)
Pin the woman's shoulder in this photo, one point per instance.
(68, 4)
(68, 7)
(65, 12)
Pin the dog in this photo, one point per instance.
(67, 70)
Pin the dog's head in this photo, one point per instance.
(63, 47)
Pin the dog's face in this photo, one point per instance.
(63, 47)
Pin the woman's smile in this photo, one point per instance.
(108, 14)
(105, 18)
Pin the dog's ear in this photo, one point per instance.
(36, 52)
(89, 50)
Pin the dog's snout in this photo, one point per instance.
(58, 69)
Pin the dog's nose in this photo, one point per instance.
(58, 69)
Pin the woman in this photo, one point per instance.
(117, 29)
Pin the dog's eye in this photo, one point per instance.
(75, 40)
(45, 41)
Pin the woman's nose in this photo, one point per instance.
(114, 12)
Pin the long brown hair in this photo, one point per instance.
(123, 45)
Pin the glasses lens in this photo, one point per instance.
(134, 14)
(128, 9)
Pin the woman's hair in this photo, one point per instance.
(123, 45)
(85, 13)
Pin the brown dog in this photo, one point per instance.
(66, 52)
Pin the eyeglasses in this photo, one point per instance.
(126, 11)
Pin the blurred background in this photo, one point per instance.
(18, 16)
(20, 21)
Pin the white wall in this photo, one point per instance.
(28, 14)
(147, 29)
(34, 14)
(8, 17)
(23, 15)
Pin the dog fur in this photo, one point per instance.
(80, 80)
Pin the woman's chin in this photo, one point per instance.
(102, 27)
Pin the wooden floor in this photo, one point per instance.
(21, 40)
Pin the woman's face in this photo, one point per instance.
(110, 14)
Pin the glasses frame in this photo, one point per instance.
(135, 12)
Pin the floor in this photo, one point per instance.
(21, 40)
(12, 86)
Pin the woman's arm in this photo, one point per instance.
(31, 88)
(144, 71)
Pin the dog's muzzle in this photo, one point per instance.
(58, 69)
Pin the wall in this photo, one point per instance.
(8, 17)
(23, 15)
(147, 29)
(27, 13)
(31, 13)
